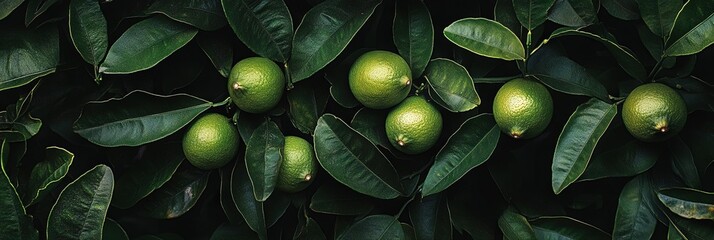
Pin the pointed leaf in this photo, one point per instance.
(7, 6)
(532, 13)
(693, 29)
(203, 14)
(27, 55)
(35, 8)
(659, 15)
(244, 199)
(218, 50)
(452, 84)
(688, 202)
(353, 160)
(324, 32)
(15, 224)
(634, 218)
(176, 196)
(622, 9)
(81, 207)
(375, 227)
(263, 156)
(338, 200)
(265, 27)
(88, 30)
(577, 141)
(567, 76)
(573, 13)
(470, 146)
(413, 34)
(430, 217)
(485, 37)
(145, 44)
(514, 225)
(559, 227)
(46, 174)
(137, 118)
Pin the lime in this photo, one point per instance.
(654, 112)
(523, 108)
(210, 142)
(299, 165)
(256, 84)
(380, 79)
(414, 125)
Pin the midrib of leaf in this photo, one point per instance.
(263, 28)
(440, 89)
(121, 121)
(384, 232)
(461, 160)
(30, 75)
(91, 48)
(634, 215)
(690, 31)
(44, 184)
(161, 41)
(562, 236)
(485, 43)
(89, 210)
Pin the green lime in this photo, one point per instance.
(380, 79)
(654, 112)
(256, 84)
(414, 125)
(299, 165)
(523, 108)
(210, 142)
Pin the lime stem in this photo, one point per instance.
(223, 103)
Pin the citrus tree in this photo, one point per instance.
(356, 119)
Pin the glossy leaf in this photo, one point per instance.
(504, 13)
(176, 196)
(485, 37)
(622, 9)
(263, 156)
(565, 228)
(27, 55)
(203, 14)
(81, 207)
(577, 141)
(307, 103)
(265, 27)
(573, 13)
(370, 123)
(7, 6)
(88, 30)
(244, 199)
(430, 217)
(514, 225)
(693, 29)
(532, 13)
(621, 159)
(375, 227)
(338, 200)
(145, 44)
(137, 118)
(452, 84)
(46, 174)
(218, 50)
(113, 231)
(692, 229)
(567, 76)
(353, 160)
(324, 32)
(152, 171)
(14, 224)
(413, 34)
(470, 146)
(634, 218)
(659, 15)
(688, 202)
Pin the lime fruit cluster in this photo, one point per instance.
(256, 84)
(654, 112)
(414, 125)
(299, 165)
(380, 79)
(523, 108)
(210, 142)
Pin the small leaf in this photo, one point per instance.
(430, 217)
(338, 200)
(265, 27)
(688, 202)
(251, 209)
(88, 30)
(692, 30)
(81, 207)
(203, 14)
(532, 13)
(218, 50)
(634, 218)
(573, 13)
(577, 141)
(27, 55)
(113, 231)
(324, 32)
(137, 118)
(452, 84)
(263, 156)
(565, 75)
(485, 37)
(13, 219)
(156, 166)
(470, 146)
(46, 174)
(307, 103)
(514, 225)
(659, 15)
(413, 34)
(375, 227)
(559, 227)
(145, 44)
(353, 160)
(7, 6)
(176, 196)
(622, 9)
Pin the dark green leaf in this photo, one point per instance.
(375, 227)
(452, 84)
(145, 44)
(227, 204)
(409, 233)
(137, 118)
(485, 37)
(573, 13)
(659, 15)
(504, 13)
(353, 160)
(247, 123)
(470, 146)
(634, 218)
(27, 55)
(559, 227)
(263, 156)
(688, 202)
(577, 141)
(176, 196)
(532, 13)
(155, 168)
(514, 225)
(413, 34)
(692, 229)
(251, 209)
(622, 9)
(14, 224)
(46, 174)
(324, 32)
(683, 163)
(20, 129)
(338, 200)
(620, 159)
(264, 26)
(218, 50)
(310, 231)
(673, 233)
(370, 123)
(567, 76)
(307, 103)
(203, 14)
(231, 232)
(430, 217)
(82, 206)
(7, 6)
(35, 8)
(461, 209)
(88, 30)
(113, 231)
(693, 29)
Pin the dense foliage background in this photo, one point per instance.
(97, 94)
